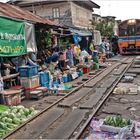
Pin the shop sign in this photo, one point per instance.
(12, 37)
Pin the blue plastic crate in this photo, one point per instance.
(43, 78)
(47, 75)
(28, 71)
(45, 85)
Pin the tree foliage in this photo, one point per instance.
(106, 27)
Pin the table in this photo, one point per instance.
(10, 76)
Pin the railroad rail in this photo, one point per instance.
(73, 108)
(80, 133)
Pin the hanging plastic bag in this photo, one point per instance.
(1, 84)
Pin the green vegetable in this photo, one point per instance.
(3, 125)
(9, 120)
(13, 117)
(16, 121)
(26, 111)
(117, 121)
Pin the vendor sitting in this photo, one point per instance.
(7, 67)
(53, 58)
(2, 100)
(61, 63)
(85, 56)
(22, 61)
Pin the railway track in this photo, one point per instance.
(69, 116)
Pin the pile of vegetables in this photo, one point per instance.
(3, 108)
(117, 121)
(13, 117)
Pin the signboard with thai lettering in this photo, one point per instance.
(12, 37)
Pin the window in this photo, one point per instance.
(56, 12)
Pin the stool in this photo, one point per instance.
(13, 82)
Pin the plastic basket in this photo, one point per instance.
(28, 71)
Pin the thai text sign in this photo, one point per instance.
(12, 37)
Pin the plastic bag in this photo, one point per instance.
(125, 133)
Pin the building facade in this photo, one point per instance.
(69, 13)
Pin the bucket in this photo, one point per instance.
(91, 67)
(95, 59)
(80, 72)
(65, 79)
(69, 77)
(95, 53)
(96, 66)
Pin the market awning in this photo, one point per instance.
(80, 32)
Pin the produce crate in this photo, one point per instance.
(28, 71)
(46, 85)
(22, 93)
(44, 77)
(116, 124)
(112, 129)
(30, 82)
(12, 97)
(37, 94)
(44, 90)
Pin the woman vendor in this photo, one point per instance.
(69, 55)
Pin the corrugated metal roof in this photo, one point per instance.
(23, 3)
(16, 12)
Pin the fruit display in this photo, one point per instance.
(13, 117)
(117, 121)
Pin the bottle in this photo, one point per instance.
(1, 84)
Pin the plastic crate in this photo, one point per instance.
(44, 77)
(86, 70)
(45, 85)
(44, 90)
(28, 71)
(37, 94)
(12, 97)
(30, 82)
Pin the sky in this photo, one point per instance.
(121, 9)
(3, 0)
